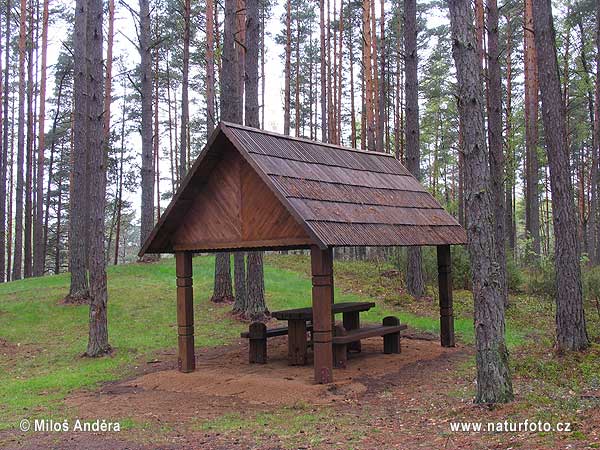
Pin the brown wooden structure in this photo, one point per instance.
(255, 190)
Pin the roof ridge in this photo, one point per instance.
(309, 141)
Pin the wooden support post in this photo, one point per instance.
(322, 301)
(257, 335)
(391, 342)
(297, 342)
(351, 321)
(185, 311)
(445, 287)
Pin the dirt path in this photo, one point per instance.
(380, 401)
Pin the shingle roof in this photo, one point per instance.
(341, 196)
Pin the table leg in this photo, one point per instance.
(297, 342)
(352, 322)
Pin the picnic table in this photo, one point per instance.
(297, 326)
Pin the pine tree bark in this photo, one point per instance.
(5, 263)
(28, 220)
(98, 336)
(510, 152)
(210, 69)
(493, 376)
(594, 220)
(571, 331)
(288, 65)
(324, 135)
(38, 229)
(368, 76)
(18, 232)
(146, 80)
(230, 112)
(78, 229)
(185, 110)
(255, 305)
(414, 269)
(494, 114)
(532, 202)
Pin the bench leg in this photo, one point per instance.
(297, 342)
(340, 351)
(258, 343)
(391, 342)
(351, 321)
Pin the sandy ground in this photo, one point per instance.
(396, 401)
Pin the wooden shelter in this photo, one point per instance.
(254, 190)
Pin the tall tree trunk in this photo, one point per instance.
(156, 137)
(18, 248)
(57, 245)
(210, 69)
(185, 110)
(172, 155)
(571, 331)
(368, 75)
(98, 337)
(5, 263)
(230, 112)
(532, 210)
(324, 136)
(28, 228)
(510, 153)
(382, 80)
(352, 106)
(146, 80)
(78, 223)
(288, 65)
(119, 196)
(493, 376)
(594, 220)
(256, 308)
(494, 114)
(51, 165)
(414, 270)
(38, 229)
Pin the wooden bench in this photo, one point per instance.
(390, 330)
(258, 334)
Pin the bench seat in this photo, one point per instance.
(273, 332)
(342, 339)
(367, 332)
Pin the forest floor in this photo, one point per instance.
(380, 401)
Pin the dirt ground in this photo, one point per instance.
(380, 401)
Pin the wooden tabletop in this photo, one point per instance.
(306, 313)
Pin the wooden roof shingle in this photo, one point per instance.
(341, 196)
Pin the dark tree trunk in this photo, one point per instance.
(571, 331)
(510, 152)
(147, 201)
(230, 112)
(256, 309)
(494, 113)
(414, 269)
(255, 304)
(239, 276)
(323, 73)
(98, 337)
(78, 230)
(594, 220)
(38, 229)
(185, 110)
(493, 376)
(532, 208)
(288, 65)
(28, 228)
(18, 248)
(4, 264)
(210, 69)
